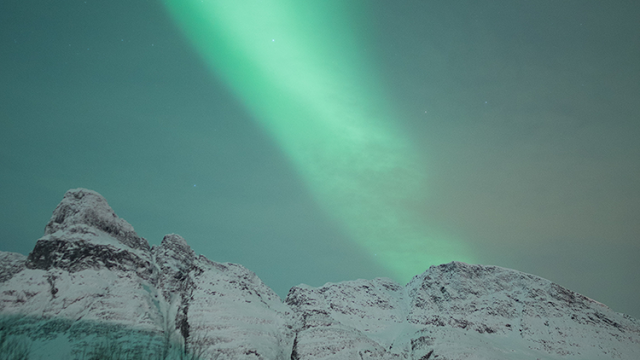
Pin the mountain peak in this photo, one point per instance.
(86, 208)
(84, 232)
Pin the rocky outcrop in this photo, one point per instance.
(220, 310)
(91, 280)
(84, 233)
(83, 209)
(10, 264)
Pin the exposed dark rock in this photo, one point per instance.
(81, 255)
(10, 264)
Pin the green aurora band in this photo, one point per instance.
(298, 68)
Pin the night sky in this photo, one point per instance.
(329, 140)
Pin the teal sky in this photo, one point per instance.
(508, 131)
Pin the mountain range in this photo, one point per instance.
(92, 288)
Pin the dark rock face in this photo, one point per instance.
(81, 255)
(175, 260)
(92, 277)
(10, 264)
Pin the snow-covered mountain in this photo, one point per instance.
(92, 288)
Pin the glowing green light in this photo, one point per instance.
(297, 68)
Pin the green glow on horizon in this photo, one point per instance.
(298, 69)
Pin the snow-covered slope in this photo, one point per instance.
(88, 275)
(517, 314)
(222, 309)
(92, 277)
(459, 311)
(91, 280)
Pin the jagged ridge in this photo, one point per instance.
(92, 276)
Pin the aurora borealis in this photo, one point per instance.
(326, 141)
(297, 68)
